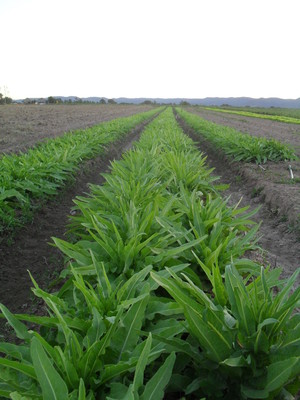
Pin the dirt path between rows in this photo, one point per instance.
(281, 247)
(31, 249)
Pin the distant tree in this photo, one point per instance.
(51, 100)
(5, 99)
(184, 103)
(111, 101)
(102, 101)
(148, 102)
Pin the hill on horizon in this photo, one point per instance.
(207, 101)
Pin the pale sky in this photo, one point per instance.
(157, 48)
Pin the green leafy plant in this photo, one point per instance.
(92, 339)
(250, 344)
(156, 300)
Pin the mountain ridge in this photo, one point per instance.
(207, 101)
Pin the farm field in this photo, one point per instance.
(34, 176)
(277, 213)
(289, 115)
(271, 180)
(21, 126)
(30, 247)
(286, 133)
(143, 219)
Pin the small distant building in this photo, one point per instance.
(28, 101)
(34, 101)
(41, 101)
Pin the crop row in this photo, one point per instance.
(239, 146)
(157, 301)
(29, 177)
(271, 114)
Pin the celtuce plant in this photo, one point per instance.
(157, 299)
(249, 344)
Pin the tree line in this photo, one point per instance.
(5, 99)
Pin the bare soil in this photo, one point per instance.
(31, 249)
(21, 126)
(279, 241)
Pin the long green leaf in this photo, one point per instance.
(279, 372)
(19, 366)
(127, 336)
(52, 384)
(154, 389)
(141, 365)
(20, 329)
(82, 393)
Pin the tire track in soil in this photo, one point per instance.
(31, 250)
(281, 247)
